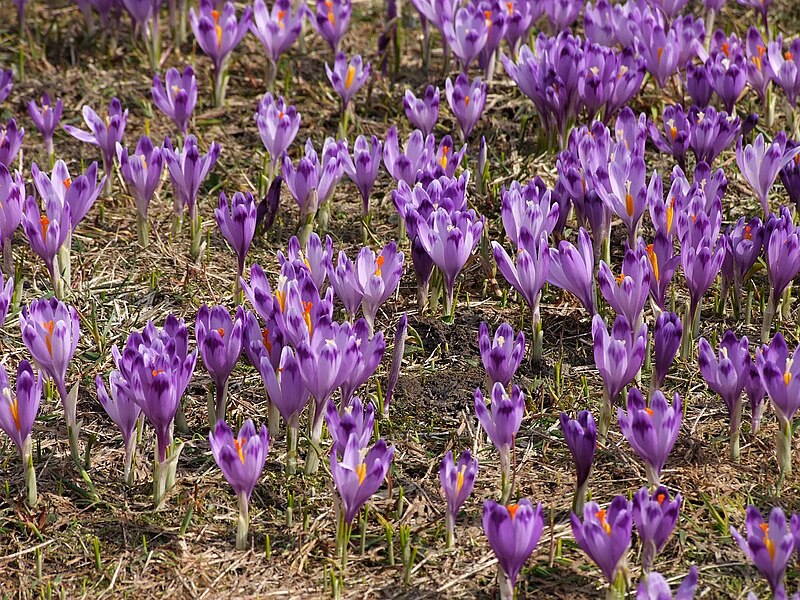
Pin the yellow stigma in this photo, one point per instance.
(361, 471)
(670, 213)
(443, 160)
(13, 405)
(217, 28)
(460, 480)
(307, 306)
(281, 14)
(488, 16)
(281, 296)
(510, 7)
(351, 73)
(768, 543)
(331, 17)
(239, 445)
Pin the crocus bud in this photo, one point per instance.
(667, 339)
(501, 354)
(457, 481)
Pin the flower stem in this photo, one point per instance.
(30, 473)
(579, 498)
(291, 443)
(221, 401)
(450, 526)
(130, 453)
(243, 522)
(769, 315)
(735, 428)
(783, 443)
(538, 334)
(8, 258)
(504, 585)
(604, 421)
(312, 458)
(159, 481)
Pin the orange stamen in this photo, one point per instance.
(747, 234)
(660, 498)
(215, 15)
(67, 182)
(629, 204)
(45, 225)
(331, 17)
(459, 480)
(361, 471)
(239, 445)
(351, 73)
(601, 516)
(512, 510)
(14, 406)
(510, 7)
(649, 411)
(221, 332)
(281, 14)
(157, 372)
(768, 543)
(620, 278)
(488, 15)
(265, 339)
(48, 337)
(466, 100)
(789, 55)
(659, 53)
(443, 160)
(725, 49)
(379, 261)
(670, 213)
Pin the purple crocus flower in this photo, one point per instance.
(457, 481)
(355, 420)
(312, 175)
(655, 587)
(666, 341)
(377, 276)
(6, 295)
(241, 460)
(522, 14)
(218, 33)
(369, 353)
(618, 356)
(790, 176)
(467, 100)
(743, 243)
(572, 269)
(562, 13)
(449, 239)
(651, 430)
(756, 393)
(712, 132)
(277, 28)
(79, 193)
(122, 409)
(12, 196)
(103, 133)
(598, 23)
(363, 166)
(670, 8)
(727, 375)
(628, 292)
(46, 119)
(701, 263)
(188, 170)
(422, 112)
(513, 532)
(769, 545)
(347, 77)
(343, 281)
(219, 340)
(10, 142)
(278, 125)
(404, 165)
(466, 33)
(759, 74)
(699, 85)
(627, 191)
(760, 164)
(331, 19)
(782, 251)
(605, 534)
(785, 68)
(502, 423)
(663, 264)
(580, 434)
(142, 172)
(780, 375)
(177, 96)
(18, 410)
(655, 516)
(677, 132)
(501, 354)
(728, 73)
(6, 84)
(237, 223)
(529, 206)
(662, 53)
(46, 232)
(359, 474)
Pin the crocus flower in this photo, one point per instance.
(354, 420)
(177, 96)
(457, 481)
(467, 100)
(404, 165)
(46, 119)
(449, 240)
(618, 356)
(651, 430)
(513, 532)
(422, 112)
(188, 170)
(12, 196)
(219, 340)
(17, 413)
(331, 19)
(142, 172)
(675, 140)
(655, 516)
(743, 244)
(400, 335)
(628, 292)
(756, 393)
(605, 534)
(6, 295)
(580, 434)
(347, 77)
(237, 223)
(501, 354)
(663, 263)
(502, 424)
(103, 133)
(369, 353)
(769, 545)
(313, 174)
(277, 28)
(521, 15)
(785, 68)
(218, 33)
(728, 77)
(326, 360)
(46, 232)
(655, 587)
(359, 474)
(241, 460)
(10, 141)
(760, 164)
(698, 85)
(466, 34)
(727, 375)
(782, 251)
(701, 263)
(343, 281)
(790, 176)
(362, 167)
(79, 193)
(6, 84)
(122, 409)
(377, 277)
(662, 54)
(288, 394)
(529, 206)
(712, 132)
(562, 13)
(666, 341)
(572, 269)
